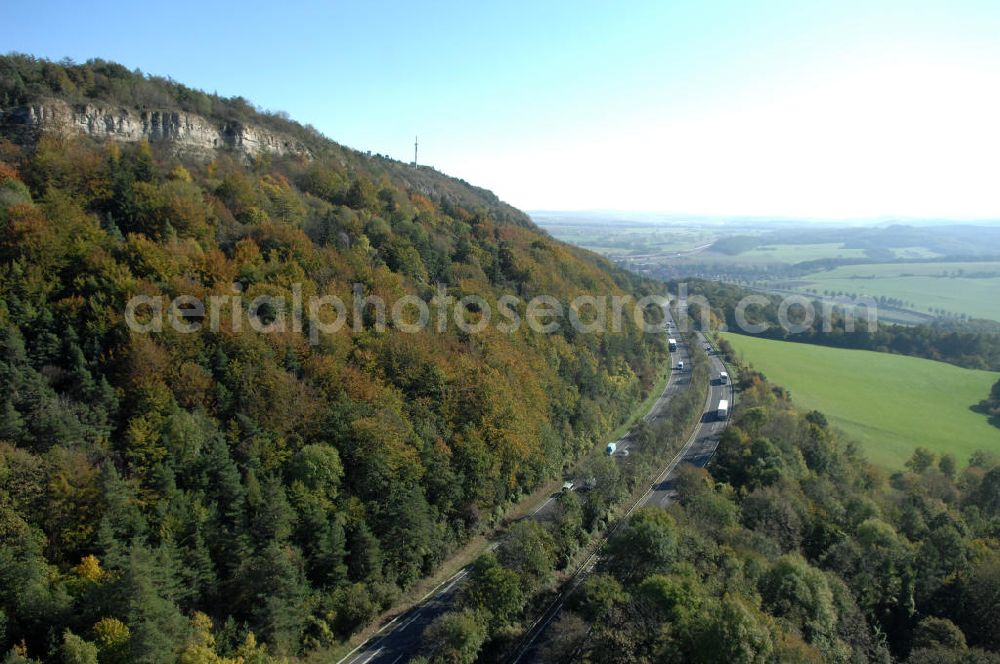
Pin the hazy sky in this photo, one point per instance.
(824, 109)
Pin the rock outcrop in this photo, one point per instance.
(185, 134)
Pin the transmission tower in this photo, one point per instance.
(414, 151)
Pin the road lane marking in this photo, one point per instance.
(452, 584)
(434, 590)
(410, 621)
(373, 656)
(390, 623)
(542, 506)
(356, 648)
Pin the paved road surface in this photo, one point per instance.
(679, 380)
(697, 450)
(400, 639)
(701, 446)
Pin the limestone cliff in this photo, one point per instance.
(184, 133)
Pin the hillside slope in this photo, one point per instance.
(105, 100)
(168, 492)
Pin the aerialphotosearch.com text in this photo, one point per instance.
(318, 315)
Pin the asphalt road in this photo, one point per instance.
(700, 447)
(697, 450)
(399, 639)
(678, 380)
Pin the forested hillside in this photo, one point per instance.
(791, 548)
(245, 495)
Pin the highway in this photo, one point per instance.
(700, 447)
(697, 450)
(400, 639)
(678, 380)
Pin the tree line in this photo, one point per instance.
(970, 347)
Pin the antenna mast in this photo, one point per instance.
(414, 151)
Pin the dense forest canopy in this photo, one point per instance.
(791, 548)
(252, 496)
(788, 547)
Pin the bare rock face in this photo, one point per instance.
(185, 134)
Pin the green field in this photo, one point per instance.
(937, 289)
(789, 254)
(915, 252)
(890, 404)
(796, 253)
(958, 288)
(624, 239)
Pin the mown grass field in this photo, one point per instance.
(890, 404)
(960, 288)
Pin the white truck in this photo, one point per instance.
(611, 448)
(672, 344)
(723, 377)
(723, 411)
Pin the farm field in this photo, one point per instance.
(958, 288)
(791, 254)
(618, 238)
(624, 239)
(890, 404)
(796, 253)
(939, 288)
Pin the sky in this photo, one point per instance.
(826, 110)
